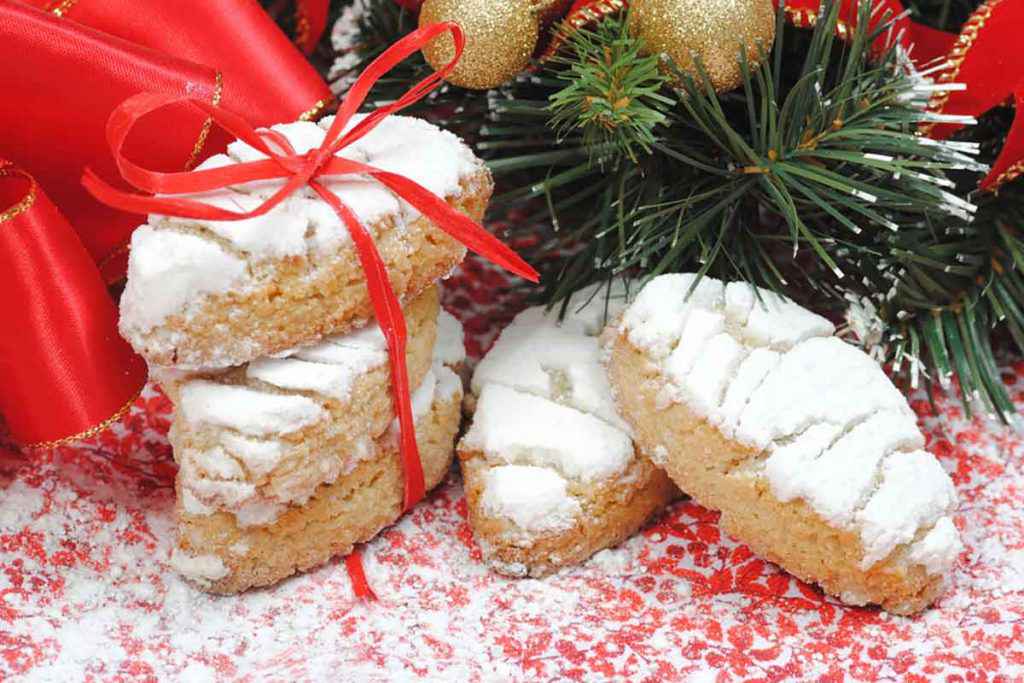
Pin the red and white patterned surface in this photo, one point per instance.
(86, 592)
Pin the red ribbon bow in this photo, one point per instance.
(299, 170)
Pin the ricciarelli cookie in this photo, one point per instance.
(203, 294)
(810, 453)
(550, 471)
(254, 514)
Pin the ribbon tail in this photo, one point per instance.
(391, 319)
(360, 586)
(458, 225)
(1010, 162)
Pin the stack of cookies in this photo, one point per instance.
(261, 333)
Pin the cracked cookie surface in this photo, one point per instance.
(810, 453)
(224, 547)
(550, 471)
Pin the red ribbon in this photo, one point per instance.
(55, 392)
(65, 69)
(305, 169)
(360, 586)
(986, 57)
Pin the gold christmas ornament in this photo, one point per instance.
(713, 30)
(500, 37)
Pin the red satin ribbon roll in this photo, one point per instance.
(61, 80)
(300, 170)
(64, 371)
(264, 74)
(63, 74)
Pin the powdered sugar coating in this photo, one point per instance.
(202, 569)
(167, 270)
(914, 493)
(536, 499)
(545, 405)
(222, 477)
(822, 379)
(175, 263)
(932, 551)
(259, 456)
(830, 427)
(839, 479)
(433, 158)
(558, 360)
(513, 427)
(250, 411)
(450, 348)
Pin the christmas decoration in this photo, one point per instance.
(66, 372)
(500, 37)
(55, 390)
(709, 33)
(810, 178)
(223, 51)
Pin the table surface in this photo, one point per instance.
(87, 593)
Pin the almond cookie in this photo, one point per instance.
(204, 294)
(221, 549)
(550, 471)
(810, 453)
(265, 435)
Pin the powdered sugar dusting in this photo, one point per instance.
(513, 427)
(829, 422)
(535, 498)
(86, 589)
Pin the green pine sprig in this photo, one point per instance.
(613, 94)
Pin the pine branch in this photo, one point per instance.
(368, 27)
(809, 179)
(772, 183)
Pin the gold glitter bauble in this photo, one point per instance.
(714, 30)
(500, 37)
